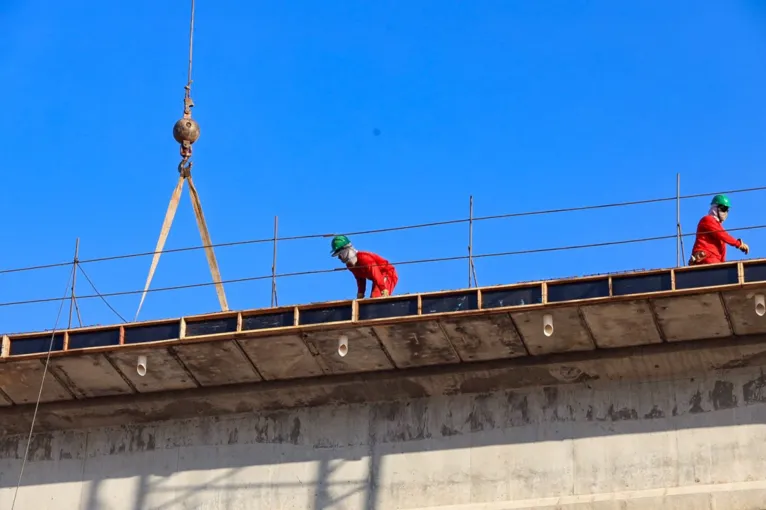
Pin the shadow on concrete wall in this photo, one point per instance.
(330, 436)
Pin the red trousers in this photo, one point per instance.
(389, 281)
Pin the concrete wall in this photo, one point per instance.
(688, 444)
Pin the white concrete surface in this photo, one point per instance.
(688, 444)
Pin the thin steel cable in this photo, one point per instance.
(402, 263)
(42, 384)
(379, 230)
(191, 46)
(100, 295)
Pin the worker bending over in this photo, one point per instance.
(710, 245)
(366, 266)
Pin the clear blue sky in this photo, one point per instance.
(525, 105)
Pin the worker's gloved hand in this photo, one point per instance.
(384, 293)
(360, 295)
(744, 247)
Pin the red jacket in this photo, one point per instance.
(712, 239)
(370, 266)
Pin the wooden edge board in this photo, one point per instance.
(386, 321)
(355, 306)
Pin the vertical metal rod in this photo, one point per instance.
(470, 240)
(75, 262)
(274, 301)
(678, 220)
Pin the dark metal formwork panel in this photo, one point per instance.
(211, 326)
(88, 339)
(641, 284)
(573, 291)
(458, 302)
(339, 313)
(514, 296)
(268, 320)
(388, 308)
(37, 345)
(707, 277)
(755, 272)
(152, 333)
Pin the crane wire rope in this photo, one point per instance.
(186, 131)
(377, 231)
(402, 263)
(42, 384)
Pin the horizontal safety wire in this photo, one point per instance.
(383, 230)
(403, 263)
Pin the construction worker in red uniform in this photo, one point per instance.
(710, 245)
(366, 266)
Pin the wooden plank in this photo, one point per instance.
(569, 333)
(217, 363)
(622, 324)
(741, 308)
(281, 357)
(416, 344)
(163, 372)
(89, 375)
(365, 353)
(20, 380)
(693, 317)
(484, 338)
(132, 340)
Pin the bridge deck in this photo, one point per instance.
(257, 348)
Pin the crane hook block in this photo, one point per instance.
(186, 130)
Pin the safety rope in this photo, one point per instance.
(379, 230)
(400, 263)
(42, 384)
(186, 132)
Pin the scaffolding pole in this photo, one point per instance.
(274, 301)
(470, 241)
(680, 255)
(471, 267)
(72, 298)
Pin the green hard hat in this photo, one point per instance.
(721, 200)
(338, 243)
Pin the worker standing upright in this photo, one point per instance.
(712, 238)
(366, 266)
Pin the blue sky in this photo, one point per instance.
(524, 105)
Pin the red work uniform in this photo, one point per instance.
(711, 241)
(370, 266)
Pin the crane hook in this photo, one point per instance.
(186, 131)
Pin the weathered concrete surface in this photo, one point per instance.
(638, 363)
(692, 443)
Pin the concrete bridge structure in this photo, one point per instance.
(627, 391)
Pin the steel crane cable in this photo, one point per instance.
(402, 263)
(186, 132)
